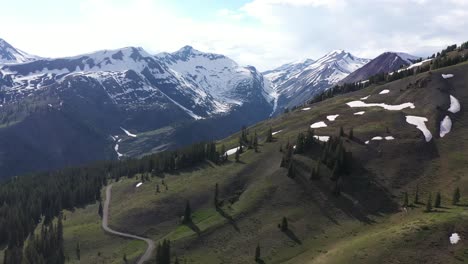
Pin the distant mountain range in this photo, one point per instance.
(66, 111)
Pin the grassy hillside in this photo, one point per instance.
(365, 224)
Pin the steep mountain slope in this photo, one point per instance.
(366, 223)
(385, 62)
(296, 83)
(100, 93)
(9, 54)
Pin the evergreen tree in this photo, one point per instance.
(456, 196)
(216, 201)
(176, 261)
(405, 200)
(300, 143)
(125, 258)
(237, 157)
(255, 143)
(438, 200)
(157, 188)
(100, 209)
(78, 251)
(187, 213)
(351, 134)
(257, 253)
(223, 153)
(341, 131)
(429, 204)
(284, 224)
(291, 171)
(269, 135)
(163, 252)
(416, 195)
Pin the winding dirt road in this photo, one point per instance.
(105, 218)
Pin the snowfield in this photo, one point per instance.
(447, 76)
(454, 105)
(138, 184)
(445, 126)
(389, 138)
(386, 91)
(318, 125)
(306, 109)
(332, 117)
(420, 124)
(365, 98)
(360, 113)
(128, 132)
(385, 106)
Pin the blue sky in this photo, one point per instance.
(263, 33)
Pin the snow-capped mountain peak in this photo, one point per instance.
(296, 83)
(9, 54)
(385, 62)
(215, 74)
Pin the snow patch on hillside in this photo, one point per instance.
(332, 117)
(420, 124)
(360, 113)
(447, 76)
(322, 138)
(318, 125)
(386, 91)
(445, 126)
(454, 105)
(231, 151)
(383, 105)
(276, 132)
(454, 238)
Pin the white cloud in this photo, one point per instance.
(263, 33)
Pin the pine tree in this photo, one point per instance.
(438, 200)
(125, 258)
(100, 209)
(291, 171)
(176, 261)
(429, 204)
(187, 213)
(341, 132)
(351, 134)
(255, 143)
(223, 153)
(78, 251)
(269, 135)
(237, 157)
(216, 201)
(257, 253)
(284, 224)
(157, 188)
(456, 196)
(241, 149)
(405, 200)
(416, 195)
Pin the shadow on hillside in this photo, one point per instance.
(194, 227)
(229, 218)
(292, 236)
